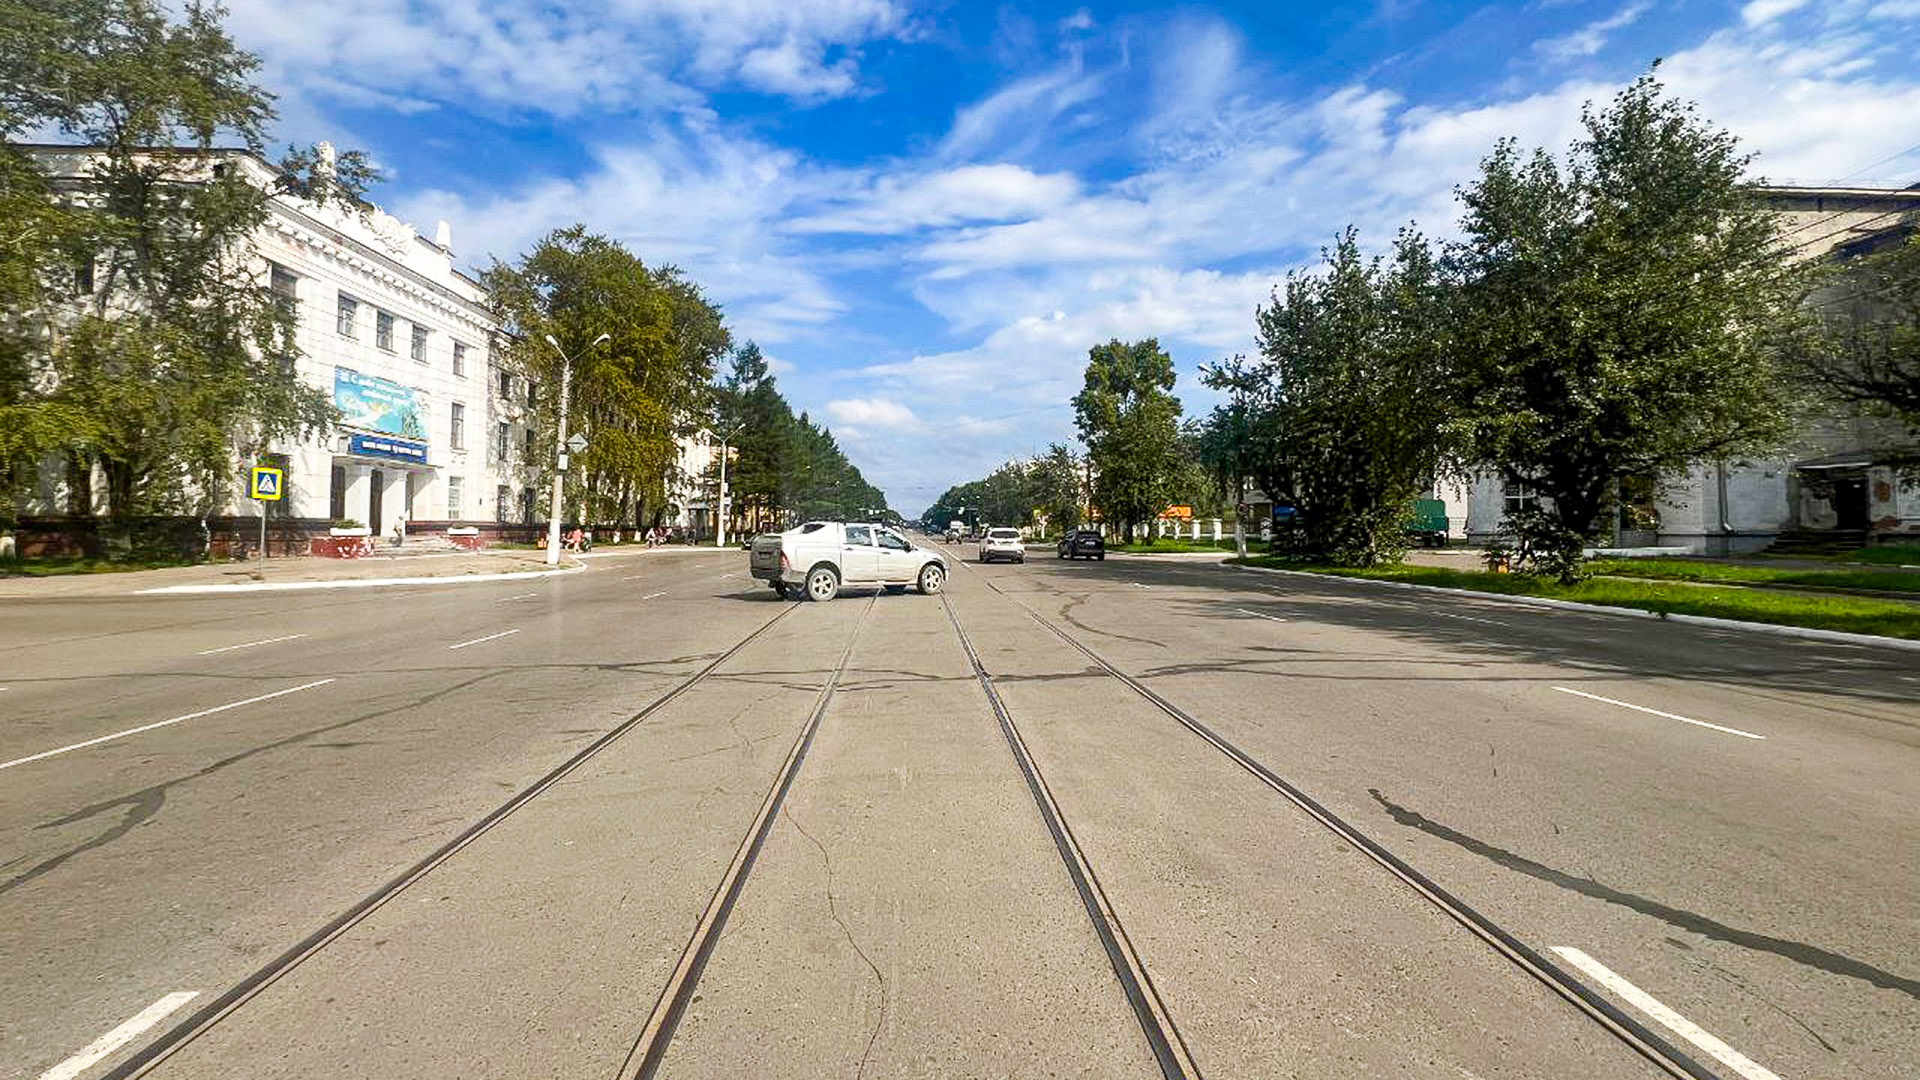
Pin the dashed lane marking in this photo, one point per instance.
(1671, 1020)
(120, 1036)
(1468, 618)
(510, 599)
(1259, 615)
(1657, 712)
(248, 644)
(652, 595)
(163, 723)
(478, 640)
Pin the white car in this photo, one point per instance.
(819, 558)
(1002, 544)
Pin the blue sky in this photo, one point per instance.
(927, 212)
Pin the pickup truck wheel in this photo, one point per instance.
(823, 584)
(932, 578)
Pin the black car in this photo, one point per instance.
(1082, 544)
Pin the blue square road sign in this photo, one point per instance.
(267, 483)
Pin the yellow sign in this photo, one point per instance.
(1182, 512)
(268, 483)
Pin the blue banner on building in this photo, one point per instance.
(382, 446)
(375, 404)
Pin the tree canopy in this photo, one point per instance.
(1130, 422)
(783, 466)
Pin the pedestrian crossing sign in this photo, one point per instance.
(267, 484)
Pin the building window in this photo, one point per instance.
(457, 436)
(459, 361)
(503, 504)
(418, 348)
(1519, 498)
(83, 277)
(349, 313)
(529, 445)
(530, 394)
(383, 330)
(503, 439)
(526, 506)
(453, 498)
(286, 287)
(337, 494)
(506, 387)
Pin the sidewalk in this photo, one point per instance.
(429, 563)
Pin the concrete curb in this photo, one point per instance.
(1810, 633)
(354, 583)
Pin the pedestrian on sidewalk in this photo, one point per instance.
(400, 529)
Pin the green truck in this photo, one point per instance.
(1428, 524)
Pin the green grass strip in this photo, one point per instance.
(1692, 570)
(1854, 615)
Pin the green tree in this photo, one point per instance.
(1059, 488)
(1616, 315)
(634, 394)
(1865, 345)
(151, 349)
(1338, 417)
(1130, 422)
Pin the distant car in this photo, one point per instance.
(953, 535)
(818, 558)
(1082, 544)
(1002, 544)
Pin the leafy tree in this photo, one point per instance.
(150, 348)
(1338, 417)
(634, 394)
(1129, 420)
(1865, 348)
(1614, 315)
(1058, 487)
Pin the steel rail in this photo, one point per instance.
(202, 1020)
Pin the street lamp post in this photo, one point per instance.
(560, 449)
(720, 513)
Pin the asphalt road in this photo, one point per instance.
(1129, 818)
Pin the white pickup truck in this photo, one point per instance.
(819, 558)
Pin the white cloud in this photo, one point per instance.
(873, 412)
(1592, 37)
(968, 193)
(1765, 11)
(565, 56)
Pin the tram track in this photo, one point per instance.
(204, 1019)
(649, 1050)
(1636, 1035)
(1169, 1049)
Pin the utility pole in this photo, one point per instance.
(557, 507)
(720, 514)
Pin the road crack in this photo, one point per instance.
(1797, 951)
(834, 910)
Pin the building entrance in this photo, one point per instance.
(377, 481)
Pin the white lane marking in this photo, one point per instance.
(522, 596)
(635, 577)
(1258, 615)
(248, 645)
(163, 723)
(1657, 712)
(1679, 1025)
(651, 595)
(1137, 585)
(478, 640)
(1467, 618)
(119, 1037)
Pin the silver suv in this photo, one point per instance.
(819, 558)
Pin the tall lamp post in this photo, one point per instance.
(560, 448)
(720, 512)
